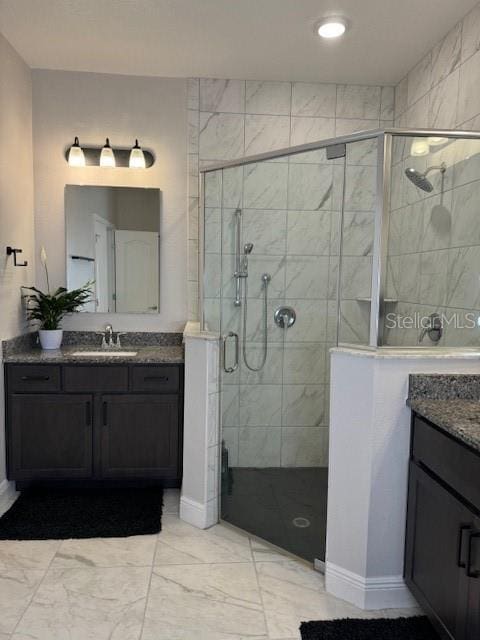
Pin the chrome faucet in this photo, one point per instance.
(109, 335)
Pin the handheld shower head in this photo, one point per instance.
(420, 180)
(248, 248)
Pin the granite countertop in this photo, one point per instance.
(144, 355)
(459, 418)
(451, 402)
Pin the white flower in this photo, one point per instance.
(43, 256)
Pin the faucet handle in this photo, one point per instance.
(118, 344)
(104, 342)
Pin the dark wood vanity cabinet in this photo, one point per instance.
(50, 435)
(139, 436)
(94, 422)
(442, 563)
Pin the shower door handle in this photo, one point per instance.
(225, 338)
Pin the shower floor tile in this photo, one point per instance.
(285, 506)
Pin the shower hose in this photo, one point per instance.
(265, 281)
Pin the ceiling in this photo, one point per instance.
(252, 39)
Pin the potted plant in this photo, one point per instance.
(50, 308)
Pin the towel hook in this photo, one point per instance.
(13, 252)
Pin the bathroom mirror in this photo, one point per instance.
(112, 238)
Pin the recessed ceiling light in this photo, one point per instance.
(331, 27)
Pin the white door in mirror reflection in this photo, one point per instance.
(136, 269)
(104, 285)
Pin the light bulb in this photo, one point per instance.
(331, 27)
(107, 157)
(137, 157)
(420, 147)
(76, 157)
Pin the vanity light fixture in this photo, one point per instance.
(331, 27)
(107, 157)
(137, 157)
(119, 157)
(76, 157)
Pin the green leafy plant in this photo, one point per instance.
(50, 308)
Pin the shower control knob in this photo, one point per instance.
(284, 317)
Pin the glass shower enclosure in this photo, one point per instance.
(331, 243)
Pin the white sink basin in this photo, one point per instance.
(104, 354)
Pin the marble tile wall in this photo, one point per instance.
(434, 245)
(291, 212)
(228, 119)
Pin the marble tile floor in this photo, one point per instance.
(182, 584)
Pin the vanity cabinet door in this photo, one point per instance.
(50, 436)
(472, 617)
(438, 530)
(140, 436)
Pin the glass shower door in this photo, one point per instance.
(277, 243)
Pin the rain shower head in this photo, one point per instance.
(420, 180)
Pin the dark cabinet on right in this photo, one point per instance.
(442, 564)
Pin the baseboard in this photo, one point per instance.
(8, 495)
(319, 565)
(384, 592)
(7, 488)
(197, 514)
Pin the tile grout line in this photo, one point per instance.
(35, 591)
(260, 593)
(147, 594)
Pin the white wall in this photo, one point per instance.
(16, 198)
(94, 106)
(81, 207)
(368, 470)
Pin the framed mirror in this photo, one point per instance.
(112, 238)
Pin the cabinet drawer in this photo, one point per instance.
(158, 379)
(452, 462)
(32, 378)
(95, 378)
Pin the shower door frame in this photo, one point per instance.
(381, 215)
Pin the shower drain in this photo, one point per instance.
(301, 523)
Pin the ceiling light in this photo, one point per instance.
(76, 157)
(434, 141)
(137, 159)
(420, 147)
(331, 27)
(107, 159)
